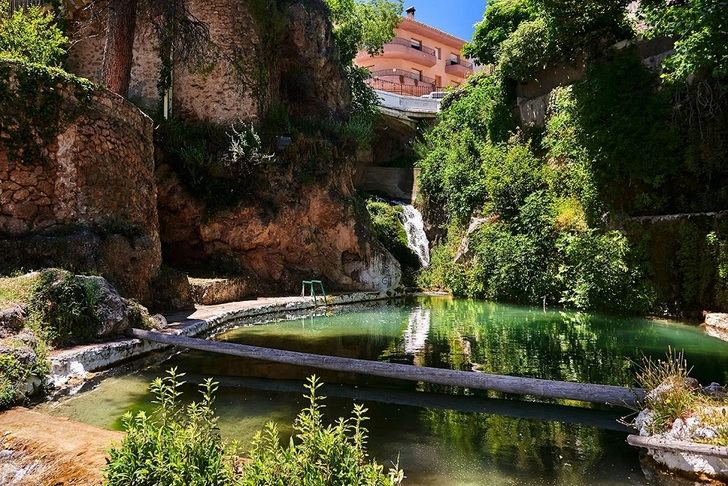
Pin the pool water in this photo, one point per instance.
(451, 436)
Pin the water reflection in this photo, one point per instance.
(441, 439)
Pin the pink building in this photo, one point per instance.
(419, 60)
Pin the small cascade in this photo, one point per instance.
(417, 241)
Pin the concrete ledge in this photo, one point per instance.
(71, 367)
(687, 458)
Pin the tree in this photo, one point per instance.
(501, 19)
(31, 34)
(363, 25)
(178, 33)
(119, 48)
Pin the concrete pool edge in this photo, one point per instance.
(72, 367)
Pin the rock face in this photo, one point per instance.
(301, 222)
(82, 196)
(314, 234)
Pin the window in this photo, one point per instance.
(418, 74)
(439, 53)
(438, 81)
(416, 44)
(454, 58)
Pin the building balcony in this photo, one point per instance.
(460, 68)
(406, 86)
(406, 50)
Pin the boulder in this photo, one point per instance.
(464, 252)
(717, 319)
(12, 320)
(116, 314)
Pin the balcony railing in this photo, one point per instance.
(406, 42)
(460, 62)
(402, 73)
(402, 89)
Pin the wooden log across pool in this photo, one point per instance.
(584, 392)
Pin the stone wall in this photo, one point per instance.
(213, 90)
(86, 199)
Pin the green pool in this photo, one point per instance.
(452, 436)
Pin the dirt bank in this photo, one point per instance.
(37, 449)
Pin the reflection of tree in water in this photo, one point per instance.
(522, 448)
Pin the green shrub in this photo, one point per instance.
(324, 455)
(599, 272)
(31, 34)
(699, 26)
(176, 445)
(181, 445)
(501, 19)
(511, 174)
(22, 358)
(527, 51)
(66, 307)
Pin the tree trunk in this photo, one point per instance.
(119, 48)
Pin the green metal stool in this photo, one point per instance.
(312, 286)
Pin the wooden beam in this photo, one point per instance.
(584, 392)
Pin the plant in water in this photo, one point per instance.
(180, 445)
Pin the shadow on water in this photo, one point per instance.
(452, 437)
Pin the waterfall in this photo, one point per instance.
(414, 225)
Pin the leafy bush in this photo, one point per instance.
(526, 52)
(181, 445)
(66, 307)
(23, 357)
(325, 455)
(31, 34)
(599, 271)
(699, 26)
(176, 445)
(217, 162)
(511, 174)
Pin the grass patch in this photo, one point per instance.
(672, 394)
(17, 290)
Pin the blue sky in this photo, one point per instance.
(454, 16)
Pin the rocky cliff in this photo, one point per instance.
(297, 219)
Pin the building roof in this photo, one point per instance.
(420, 27)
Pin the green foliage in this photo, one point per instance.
(452, 173)
(601, 272)
(38, 102)
(527, 51)
(219, 163)
(363, 25)
(181, 445)
(719, 246)
(31, 34)
(66, 307)
(585, 26)
(176, 445)
(501, 19)
(389, 230)
(321, 455)
(22, 358)
(700, 29)
(511, 173)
